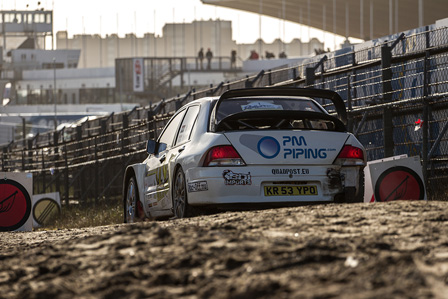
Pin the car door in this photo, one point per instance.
(180, 142)
(186, 127)
(157, 176)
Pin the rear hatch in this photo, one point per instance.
(274, 147)
(270, 126)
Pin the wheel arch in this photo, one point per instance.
(173, 177)
(176, 168)
(130, 172)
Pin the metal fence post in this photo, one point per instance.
(56, 158)
(182, 70)
(67, 186)
(30, 153)
(23, 132)
(309, 76)
(30, 159)
(386, 62)
(425, 126)
(103, 127)
(151, 124)
(23, 159)
(322, 78)
(79, 154)
(349, 106)
(44, 181)
(96, 170)
(102, 139)
(124, 135)
(294, 74)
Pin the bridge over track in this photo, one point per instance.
(159, 73)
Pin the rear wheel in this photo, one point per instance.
(131, 202)
(180, 200)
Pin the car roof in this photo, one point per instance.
(203, 100)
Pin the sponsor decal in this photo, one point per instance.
(197, 186)
(291, 171)
(15, 205)
(288, 147)
(152, 204)
(138, 74)
(268, 147)
(292, 149)
(307, 153)
(162, 195)
(44, 209)
(160, 175)
(261, 106)
(399, 183)
(233, 178)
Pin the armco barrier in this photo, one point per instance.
(388, 85)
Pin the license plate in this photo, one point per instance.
(290, 190)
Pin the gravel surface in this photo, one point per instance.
(380, 250)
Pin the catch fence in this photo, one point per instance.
(396, 94)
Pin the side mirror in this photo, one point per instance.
(151, 146)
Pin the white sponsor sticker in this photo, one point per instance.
(197, 186)
(233, 178)
(261, 106)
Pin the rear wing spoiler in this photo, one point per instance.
(333, 96)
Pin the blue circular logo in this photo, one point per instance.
(268, 147)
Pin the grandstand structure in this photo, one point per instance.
(363, 19)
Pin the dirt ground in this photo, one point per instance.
(380, 250)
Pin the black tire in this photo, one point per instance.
(130, 202)
(181, 209)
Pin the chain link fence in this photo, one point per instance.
(387, 87)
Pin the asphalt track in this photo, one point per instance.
(379, 250)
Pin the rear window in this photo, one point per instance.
(273, 113)
(232, 106)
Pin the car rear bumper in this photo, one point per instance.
(221, 185)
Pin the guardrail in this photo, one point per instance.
(387, 87)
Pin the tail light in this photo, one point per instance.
(350, 155)
(223, 155)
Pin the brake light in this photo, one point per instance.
(351, 152)
(350, 155)
(223, 155)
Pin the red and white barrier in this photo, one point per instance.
(16, 190)
(394, 178)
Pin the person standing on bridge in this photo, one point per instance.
(233, 59)
(201, 57)
(253, 55)
(209, 56)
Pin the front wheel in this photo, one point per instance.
(131, 201)
(180, 200)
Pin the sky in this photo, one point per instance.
(143, 16)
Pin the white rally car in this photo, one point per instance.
(256, 146)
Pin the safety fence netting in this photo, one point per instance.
(395, 90)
